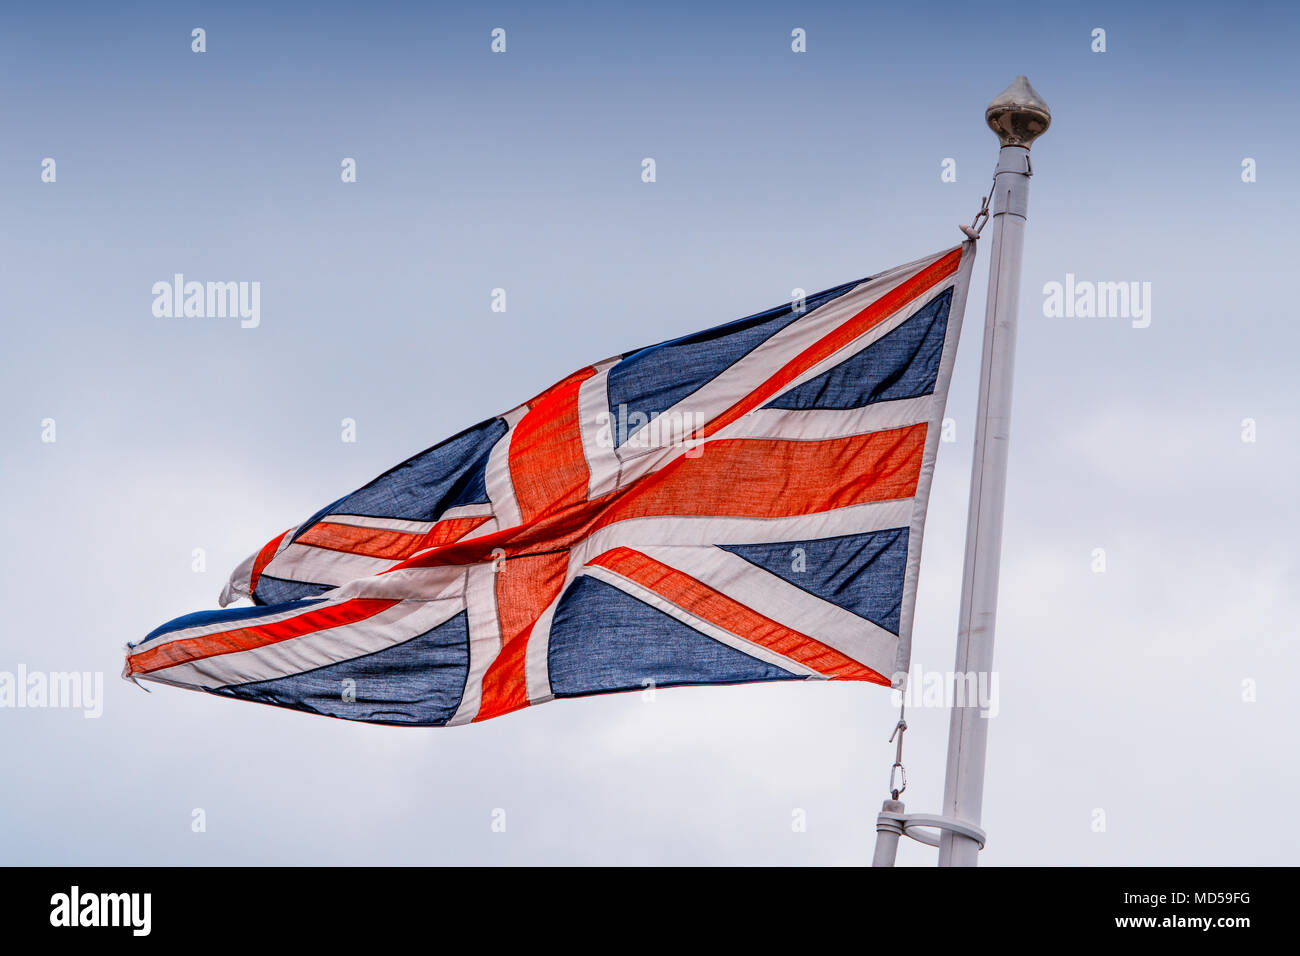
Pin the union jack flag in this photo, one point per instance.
(741, 504)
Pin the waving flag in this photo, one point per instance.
(742, 504)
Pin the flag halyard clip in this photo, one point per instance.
(977, 224)
(898, 786)
(982, 217)
(894, 821)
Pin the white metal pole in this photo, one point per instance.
(1018, 116)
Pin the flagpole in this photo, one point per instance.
(1018, 116)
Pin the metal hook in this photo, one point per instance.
(977, 224)
(900, 726)
(902, 773)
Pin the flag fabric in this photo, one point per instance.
(742, 504)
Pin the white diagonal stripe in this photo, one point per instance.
(856, 637)
(382, 524)
(308, 564)
(217, 627)
(739, 379)
(395, 625)
(820, 424)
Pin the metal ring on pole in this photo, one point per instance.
(915, 824)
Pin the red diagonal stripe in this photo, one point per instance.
(452, 529)
(384, 542)
(877, 312)
(190, 649)
(697, 598)
(263, 559)
(368, 542)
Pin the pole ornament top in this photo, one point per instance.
(1018, 114)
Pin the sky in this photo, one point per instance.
(1138, 705)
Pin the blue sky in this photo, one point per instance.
(1120, 691)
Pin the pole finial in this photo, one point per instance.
(1018, 114)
